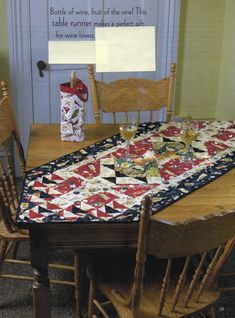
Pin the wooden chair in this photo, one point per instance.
(227, 276)
(8, 126)
(170, 275)
(10, 234)
(132, 94)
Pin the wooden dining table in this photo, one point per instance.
(45, 145)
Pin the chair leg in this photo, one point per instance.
(15, 249)
(211, 312)
(3, 247)
(91, 295)
(8, 250)
(91, 299)
(77, 285)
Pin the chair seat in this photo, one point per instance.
(150, 301)
(18, 235)
(116, 285)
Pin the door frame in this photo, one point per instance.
(20, 58)
(20, 65)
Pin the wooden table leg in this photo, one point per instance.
(39, 263)
(41, 294)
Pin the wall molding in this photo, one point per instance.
(168, 35)
(20, 64)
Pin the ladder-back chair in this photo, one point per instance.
(10, 234)
(170, 275)
(227, 276)
(8, 126)
(132, 94)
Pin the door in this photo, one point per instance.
(32, 23)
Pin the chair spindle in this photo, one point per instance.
(180, 283)
(12, 182)
(209, 272)
(195, 279)
(165, 283)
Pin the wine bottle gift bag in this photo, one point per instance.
(72, 111)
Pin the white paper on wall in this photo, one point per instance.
(125, 49)
(71, 52)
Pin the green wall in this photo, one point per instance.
(226, 93)
(198, 66)
(4, 70)
(205, 86)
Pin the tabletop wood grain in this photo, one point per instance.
(45, 143)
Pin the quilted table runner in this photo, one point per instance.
(98, 184)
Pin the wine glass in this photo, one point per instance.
(189, 132)
(128, 129)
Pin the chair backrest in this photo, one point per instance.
(9, 194)
(204, 239)
(8, 126)
(132, 94)
(9, 137)
(7, 211)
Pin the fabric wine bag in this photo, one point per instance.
(73, 101)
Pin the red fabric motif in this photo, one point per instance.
(225, 135)
(134, 191)
(69, 184)
(171, 131)
(117, 205)
(38, 184)
(100, 199)
(141, 147)
(51, 206)
(89, 170)
(214, 147)
(54, 177)
(35, 215)
(174, 168)
(80, 90)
